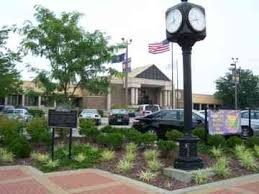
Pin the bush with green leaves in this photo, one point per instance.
(252, 141)
(148, 138)
(38, 130)
(246, 157)
(256, 149)
(221, 167)
(216, 152)
(20, 147)
(36, 112)
(166, 147)
(40, 157)
(200, 177)
(147, 176)
(6, 156)
(131, 147)
(151, 155)
(51, 165)
(216, 140)
(173, 135)
(125, 165)
(89, 129)
(80, 157)
(132, 135)
(111, 140)
(107, 155)
(154, 165)
(130, 156)
(233, 141)
(9, 130)
(200, 133)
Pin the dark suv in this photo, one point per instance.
(164, 120)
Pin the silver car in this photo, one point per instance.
(20, 114)
(254, 130)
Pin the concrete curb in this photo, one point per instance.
(219, 184)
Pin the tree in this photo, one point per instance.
(9, 76)
(247, 92)
(76, 57)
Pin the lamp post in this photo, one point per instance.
(234, 73)
(185, 25)
(126, 43)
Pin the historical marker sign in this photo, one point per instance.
(62, 119)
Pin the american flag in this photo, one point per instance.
(159, 47)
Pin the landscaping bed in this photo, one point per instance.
(128, 153)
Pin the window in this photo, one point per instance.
(244, 115)
(170, 115)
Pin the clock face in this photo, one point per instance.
(173, 20)
(197, 19)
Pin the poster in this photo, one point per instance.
(224, 122)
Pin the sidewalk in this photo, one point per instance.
(28, 180)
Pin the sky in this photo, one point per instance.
(232, 31)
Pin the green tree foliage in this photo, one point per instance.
(248, 89)
(76, 57)
(9, 76)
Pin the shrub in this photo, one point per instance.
(88, 128)
(36, 112)
(252, 141)
(151, 155)
(51, 165)
(148, 138)
(246, 157)
(131, 147)
(134, 136)
(107, 155)
(216, 151)
(165, 147)
(80, 157)
(100, 112)
(38, 129)
(9, 130)
(221, 167)
(173, 135)
(20, 147)
(147, 176)
(125, 165)
(154, 165)
(200, 133)
(111, 140)
(200, 177)
(216, 140)
(256, 149)
(233, 141)
(41, 158)
(6, 156)
(130, 156)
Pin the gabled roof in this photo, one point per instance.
(148, 72)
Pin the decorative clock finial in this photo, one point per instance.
(184, 0)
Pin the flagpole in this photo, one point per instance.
(177, 86)
(172, 94)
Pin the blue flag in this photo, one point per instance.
(118, 58)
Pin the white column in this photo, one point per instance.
(39, 101)
(132, 96)
(200, 106)
(165, 98)
(6, 100)
(161, 98)
(136, 96)
(168, 98)
(109, 99)
(55, 104)
(23, 100)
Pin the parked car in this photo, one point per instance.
(4, 108)
(119, 116)
(91, 114)
(161, 121)
(20, 114)
(202, 112)
(245, 130)
(147, 109)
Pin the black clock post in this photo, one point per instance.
(186, 27)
